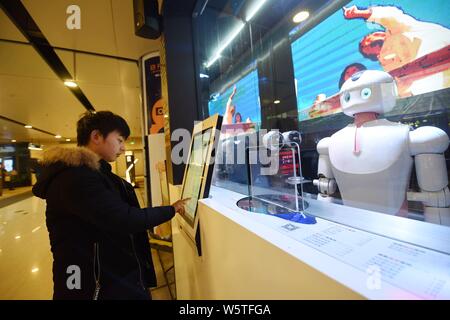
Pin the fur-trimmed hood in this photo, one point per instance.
(72, 157)
(57, 160)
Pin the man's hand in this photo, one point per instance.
(179, 205)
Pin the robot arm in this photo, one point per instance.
(326, 182)
(427, 145)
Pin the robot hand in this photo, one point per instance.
(326, 186)
(436, 205)
(292, 136)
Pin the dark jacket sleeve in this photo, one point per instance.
(84, 194)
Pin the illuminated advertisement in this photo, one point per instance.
(238, 103)
(152, 93)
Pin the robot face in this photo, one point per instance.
(368, 91)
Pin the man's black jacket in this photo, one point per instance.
(97, 230)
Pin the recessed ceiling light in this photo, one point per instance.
(277, 101)
(28, 126)
(17, 237)
(13, 140)
(58, 136)
(301, 16)
(34, 270)
(70, 84)
(68, 140)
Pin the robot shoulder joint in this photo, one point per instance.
(322, 146)
(428, 140)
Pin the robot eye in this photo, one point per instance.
(366, 93)
(347, 97)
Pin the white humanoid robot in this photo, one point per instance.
(371, 160)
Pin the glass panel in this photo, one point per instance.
(385, 65)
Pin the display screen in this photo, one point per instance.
(195, 172)
(245, 108)
(153, 102)
(409, 39)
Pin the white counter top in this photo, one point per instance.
(375, 266)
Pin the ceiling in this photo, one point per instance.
(31, 93)
(271, 25)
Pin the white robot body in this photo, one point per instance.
(376, 178)
(372, 163)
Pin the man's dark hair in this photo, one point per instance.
(103, 121)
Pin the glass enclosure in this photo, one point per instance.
(291, 65)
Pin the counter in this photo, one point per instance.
(348, 254)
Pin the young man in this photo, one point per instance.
(97, 230)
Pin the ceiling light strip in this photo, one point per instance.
(24, 124)
(252, 12)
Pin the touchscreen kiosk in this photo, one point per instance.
(198, 173)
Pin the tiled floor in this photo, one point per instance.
(25, 257)
(26, 260)
(7, 193)
(12, 196)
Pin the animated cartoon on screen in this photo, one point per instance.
(238, 101)
(231, 115)
(410, 41)
(416, 53)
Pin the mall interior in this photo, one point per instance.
(310, 137)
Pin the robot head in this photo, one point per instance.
(368, 91)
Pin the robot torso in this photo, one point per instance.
(378, 176)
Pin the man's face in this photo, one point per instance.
(111, 147)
